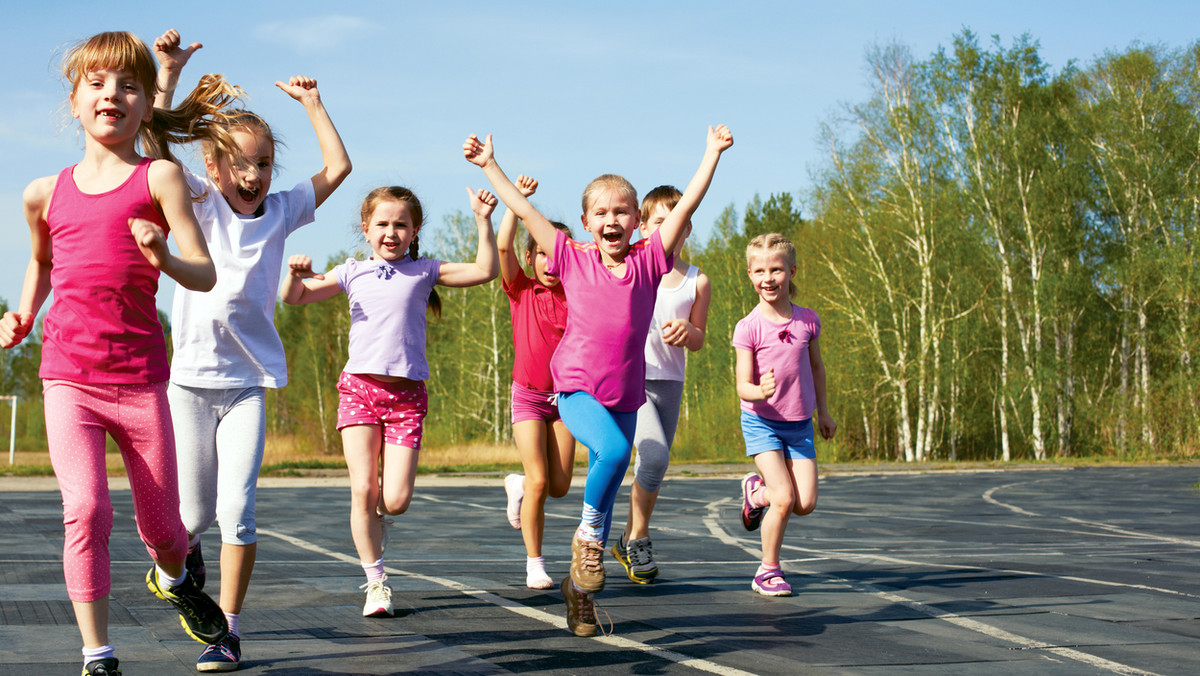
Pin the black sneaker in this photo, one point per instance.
(224, 655)
(200, 616)
(104, 667)
(195, 566)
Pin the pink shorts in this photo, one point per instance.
(399, 407)
(531, 404)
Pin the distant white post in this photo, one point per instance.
(12, 430)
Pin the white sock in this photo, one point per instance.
(166, 581)
(232, 619)
(193, 540)
(374, 571)
(535, 564)
(93, 654)
(586, 532)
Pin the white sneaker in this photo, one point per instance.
(538, 579)
(384, 522)
(379, 599)
(514, 486)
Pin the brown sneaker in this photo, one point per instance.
(581, 612)
(587, 565)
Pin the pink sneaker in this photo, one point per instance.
(514, 486)
(751, 515)
(771, 583)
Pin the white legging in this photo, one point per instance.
(219, 440)
(656, 423)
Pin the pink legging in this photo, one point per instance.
(137, 416)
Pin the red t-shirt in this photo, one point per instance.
(539, 318)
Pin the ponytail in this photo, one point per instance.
(435, 301)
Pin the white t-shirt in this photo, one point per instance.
(669, 362)
(226, 338)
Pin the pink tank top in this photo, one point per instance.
(103, 324)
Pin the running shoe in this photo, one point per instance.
(771, 583)
(379, 599)
(751, 515)
(200, 616)
(384, 522)
(514, 487)
(638, 558)
(104, 667)
(587, 565)
(195, 565)
(224, 655)
(581, 610)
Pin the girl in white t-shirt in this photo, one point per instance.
(227, 350)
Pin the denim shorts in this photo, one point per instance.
(795, 439)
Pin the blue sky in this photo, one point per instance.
(570, 90)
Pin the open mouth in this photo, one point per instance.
(248, 194)
(612, 237)
(111, 113)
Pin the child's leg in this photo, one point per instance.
(240, 441)
(609, 438)
(777, 476)
(194, 416)
(399, 478)
(656, 423)
(532, 438)
(362, 445)
(560, 456)
(75, 437)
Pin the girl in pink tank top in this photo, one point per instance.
(98, 233)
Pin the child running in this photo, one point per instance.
(781, 381)
(227, 351)
(599, 367)
(98, 232)
(382, 395)
(539, 317)
(680, 317)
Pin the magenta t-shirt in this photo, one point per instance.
(603, 351)
(103, 324)
(783, 347)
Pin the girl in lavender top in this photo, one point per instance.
(382, 403)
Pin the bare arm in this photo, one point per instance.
(719, 140)
(14, 326)
(825, 423)
(698, 318)
(172, 57)
(747, 389)
(296, 291)
(510, 263)
(486, 266)
(333, 151)
(193, 267)
(482, 155)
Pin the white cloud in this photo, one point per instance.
(316, 35)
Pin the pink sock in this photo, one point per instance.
(759, 497)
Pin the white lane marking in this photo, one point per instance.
(713, 523)
(508, 604)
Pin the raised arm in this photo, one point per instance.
(333, 151)
(193, 267)
(510, 263)
(719, 140)
(482, 155)
(486, 265)
(14, 326)
(296, 291)
(172, 57)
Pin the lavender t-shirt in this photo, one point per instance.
(783, 347)
(387, 314)
(602, 351)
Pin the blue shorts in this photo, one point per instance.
(795, 439)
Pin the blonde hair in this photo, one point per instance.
(201, 115)
(607, 182)
(770, 242)
(395, 193)
(665, 195)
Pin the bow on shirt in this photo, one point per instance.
(785, 336)
(384, 271)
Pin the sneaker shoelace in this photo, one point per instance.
(589, 558)
(640, 554)
(587, 614)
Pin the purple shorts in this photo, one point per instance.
(398, 407)
(531, 404)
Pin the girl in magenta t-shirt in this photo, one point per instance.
(599, 367)
(781, 382)
(539, 317)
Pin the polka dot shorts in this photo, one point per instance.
(399, 407)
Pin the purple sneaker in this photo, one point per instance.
(751, 515)
(771, 583)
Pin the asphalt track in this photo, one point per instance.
(1049, 571)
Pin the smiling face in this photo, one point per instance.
(771, 273)
(110, 104)
(611, 217)
(390, 230)
(245, 185)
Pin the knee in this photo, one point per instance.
(536, 486)
(804, 506)
(92, 517)
(559, 488)
(782, 501)
(651, 469)
(364, 493)
(397, 503)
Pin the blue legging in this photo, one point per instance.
(609, 438)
